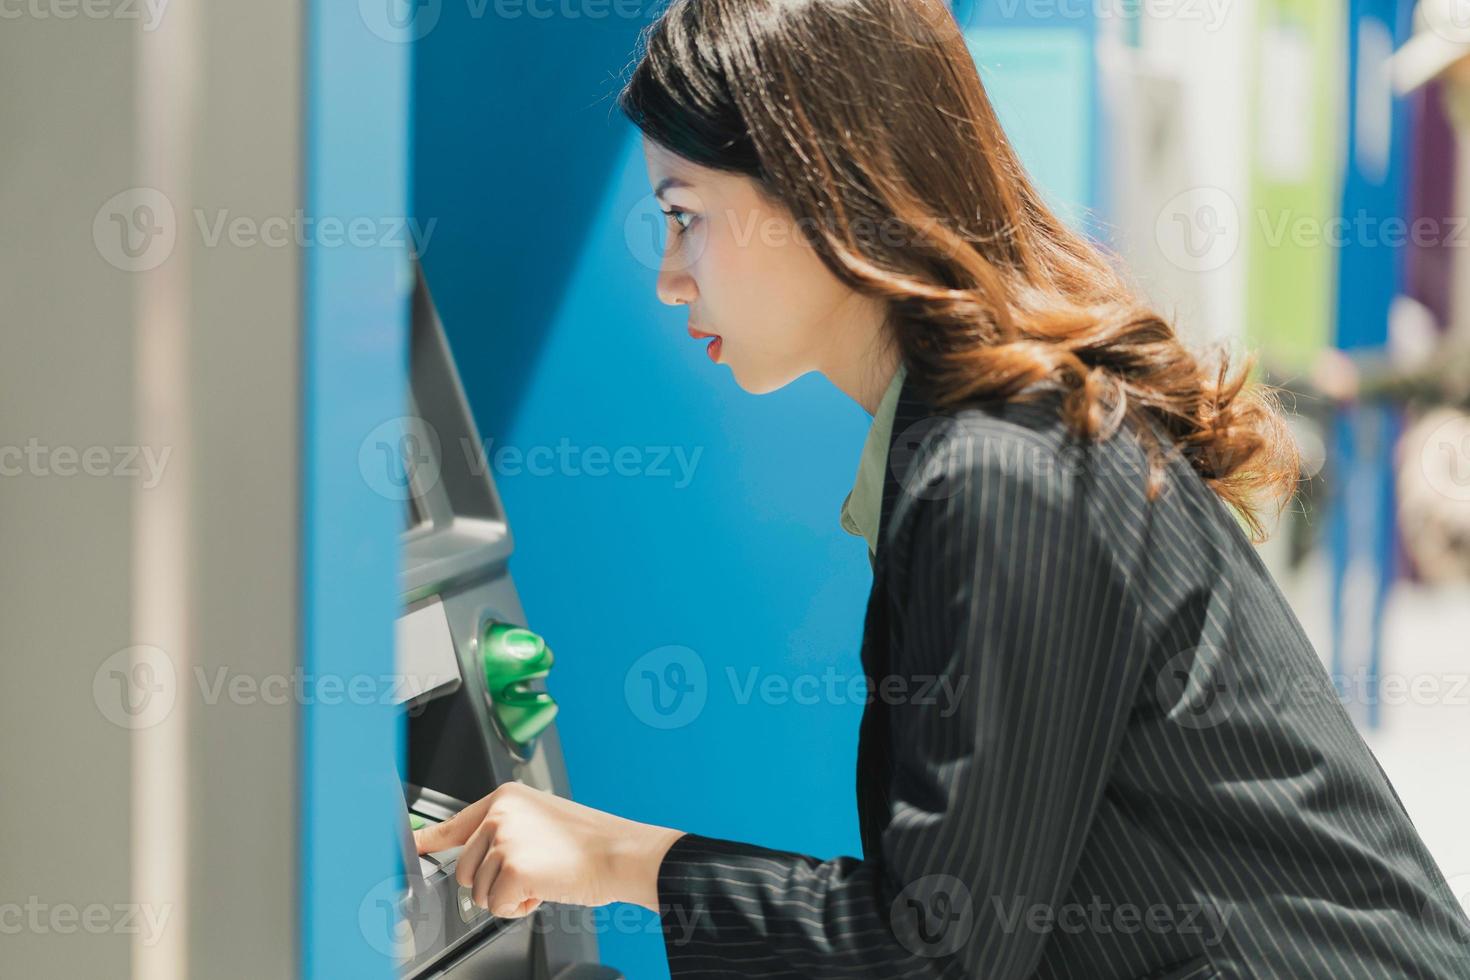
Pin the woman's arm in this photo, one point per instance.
(1004, 586)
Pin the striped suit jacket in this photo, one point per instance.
(1143, 769)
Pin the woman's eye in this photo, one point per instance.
(680, 218)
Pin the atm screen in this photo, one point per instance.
(426, 665)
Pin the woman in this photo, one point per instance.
(1147, 772)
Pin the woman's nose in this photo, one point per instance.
(675, 289)
(675, 284)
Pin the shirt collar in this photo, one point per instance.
(862, 508)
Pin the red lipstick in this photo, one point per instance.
(713, 350)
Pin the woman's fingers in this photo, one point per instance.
(485, 876)
(473, 854)
(520, 911)
(509, 897)
(432, 838)
(495, 884)
(452, 832)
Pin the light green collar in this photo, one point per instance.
(863, 506)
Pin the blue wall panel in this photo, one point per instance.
(355, 315)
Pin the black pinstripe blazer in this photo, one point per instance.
(1142, 768)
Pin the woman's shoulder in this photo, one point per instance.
(1008, 485)
(1001, 460)
(1024, 440)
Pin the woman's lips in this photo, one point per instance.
(713, 350)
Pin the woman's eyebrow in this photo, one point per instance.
(669, 182)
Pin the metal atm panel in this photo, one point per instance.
(473, 686)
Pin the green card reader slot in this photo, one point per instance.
(513, 658)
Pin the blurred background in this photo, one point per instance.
(1284, 177)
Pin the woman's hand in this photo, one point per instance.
(524, 846)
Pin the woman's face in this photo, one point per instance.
(745, 269)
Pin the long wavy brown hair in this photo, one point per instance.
(867, 121)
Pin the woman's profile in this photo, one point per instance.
(1146, 770)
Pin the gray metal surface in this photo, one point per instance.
(457, 546)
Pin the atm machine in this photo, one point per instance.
(472, 682)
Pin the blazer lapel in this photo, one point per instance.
(873, 761)
(904, 441)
